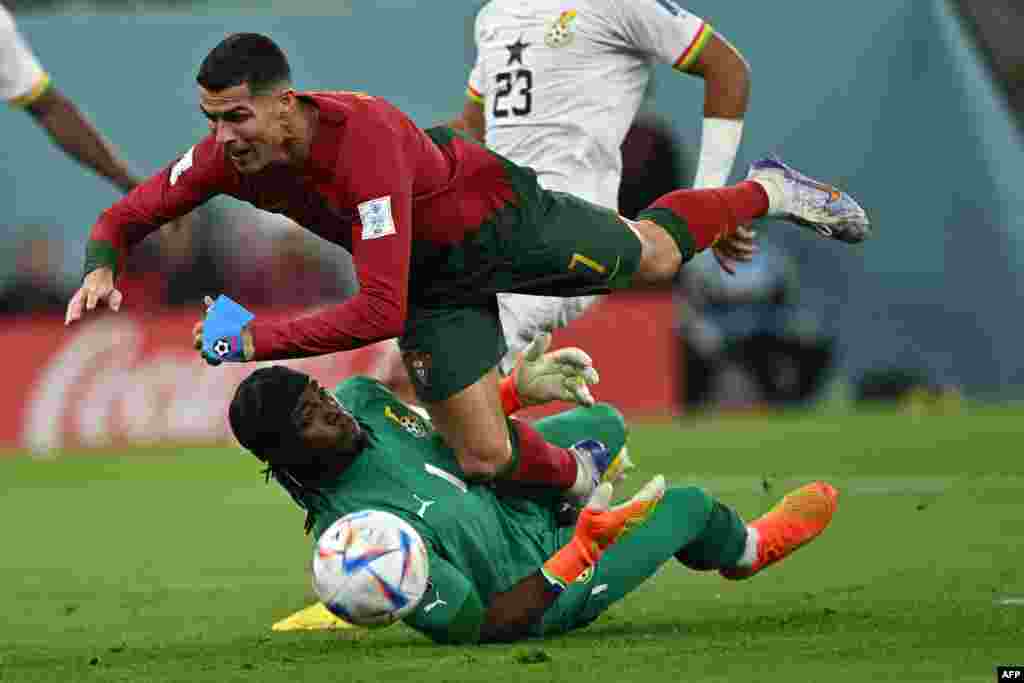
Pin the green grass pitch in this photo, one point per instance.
(170, 565)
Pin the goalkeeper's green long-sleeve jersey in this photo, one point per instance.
(479, 543)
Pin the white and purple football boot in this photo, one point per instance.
(810, 203)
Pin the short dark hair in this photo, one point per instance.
(248, 58)
(261, 412)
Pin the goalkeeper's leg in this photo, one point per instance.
(685, 516)
(703, 534)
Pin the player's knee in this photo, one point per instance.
(693, 502)
(660, 256)
(611, 414)
(613, 422)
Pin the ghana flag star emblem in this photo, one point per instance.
(515, 51)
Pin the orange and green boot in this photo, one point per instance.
(795, 520)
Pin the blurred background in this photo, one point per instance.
(915, 106)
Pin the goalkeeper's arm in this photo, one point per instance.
(512, 614)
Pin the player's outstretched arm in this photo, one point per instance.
(727, 81)
(726, 77)
(200, 174)
(79, 138)
(473, 120)
(25, 84)
(539, 377)
(453, 612)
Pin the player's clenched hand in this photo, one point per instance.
(562, 375)
(598, 527)
(97, 287)
(739, 247)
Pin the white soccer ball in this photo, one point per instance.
(370, 568)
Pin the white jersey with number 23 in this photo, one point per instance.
(561, 82)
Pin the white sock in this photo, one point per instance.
(772, 182)
(584, 485)
(749, 556)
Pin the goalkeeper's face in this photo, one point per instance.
(323, 425)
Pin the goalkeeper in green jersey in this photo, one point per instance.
(503, 565)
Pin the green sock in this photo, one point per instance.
(721, 543)
(675, 226)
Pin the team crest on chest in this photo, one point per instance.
(561, 31)
(413, 424)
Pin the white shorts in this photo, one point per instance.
(524, 316)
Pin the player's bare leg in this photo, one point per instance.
(474, 426)
(660, 256)
(490, 446)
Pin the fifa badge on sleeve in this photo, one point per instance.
(222, 331)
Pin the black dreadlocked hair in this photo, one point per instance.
(262, 416)
(261, 410)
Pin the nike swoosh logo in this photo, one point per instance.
(833, 194)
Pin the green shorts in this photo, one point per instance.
(566, 246)
(556, 245)
(447, 348)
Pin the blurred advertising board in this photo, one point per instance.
(125, 378)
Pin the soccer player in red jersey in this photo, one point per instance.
(437, 225)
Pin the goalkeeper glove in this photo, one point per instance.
(222, 331)
(539, 377)
(598, 528)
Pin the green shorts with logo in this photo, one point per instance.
(554, 245)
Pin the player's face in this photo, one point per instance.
(324, 424)
(249, 126)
